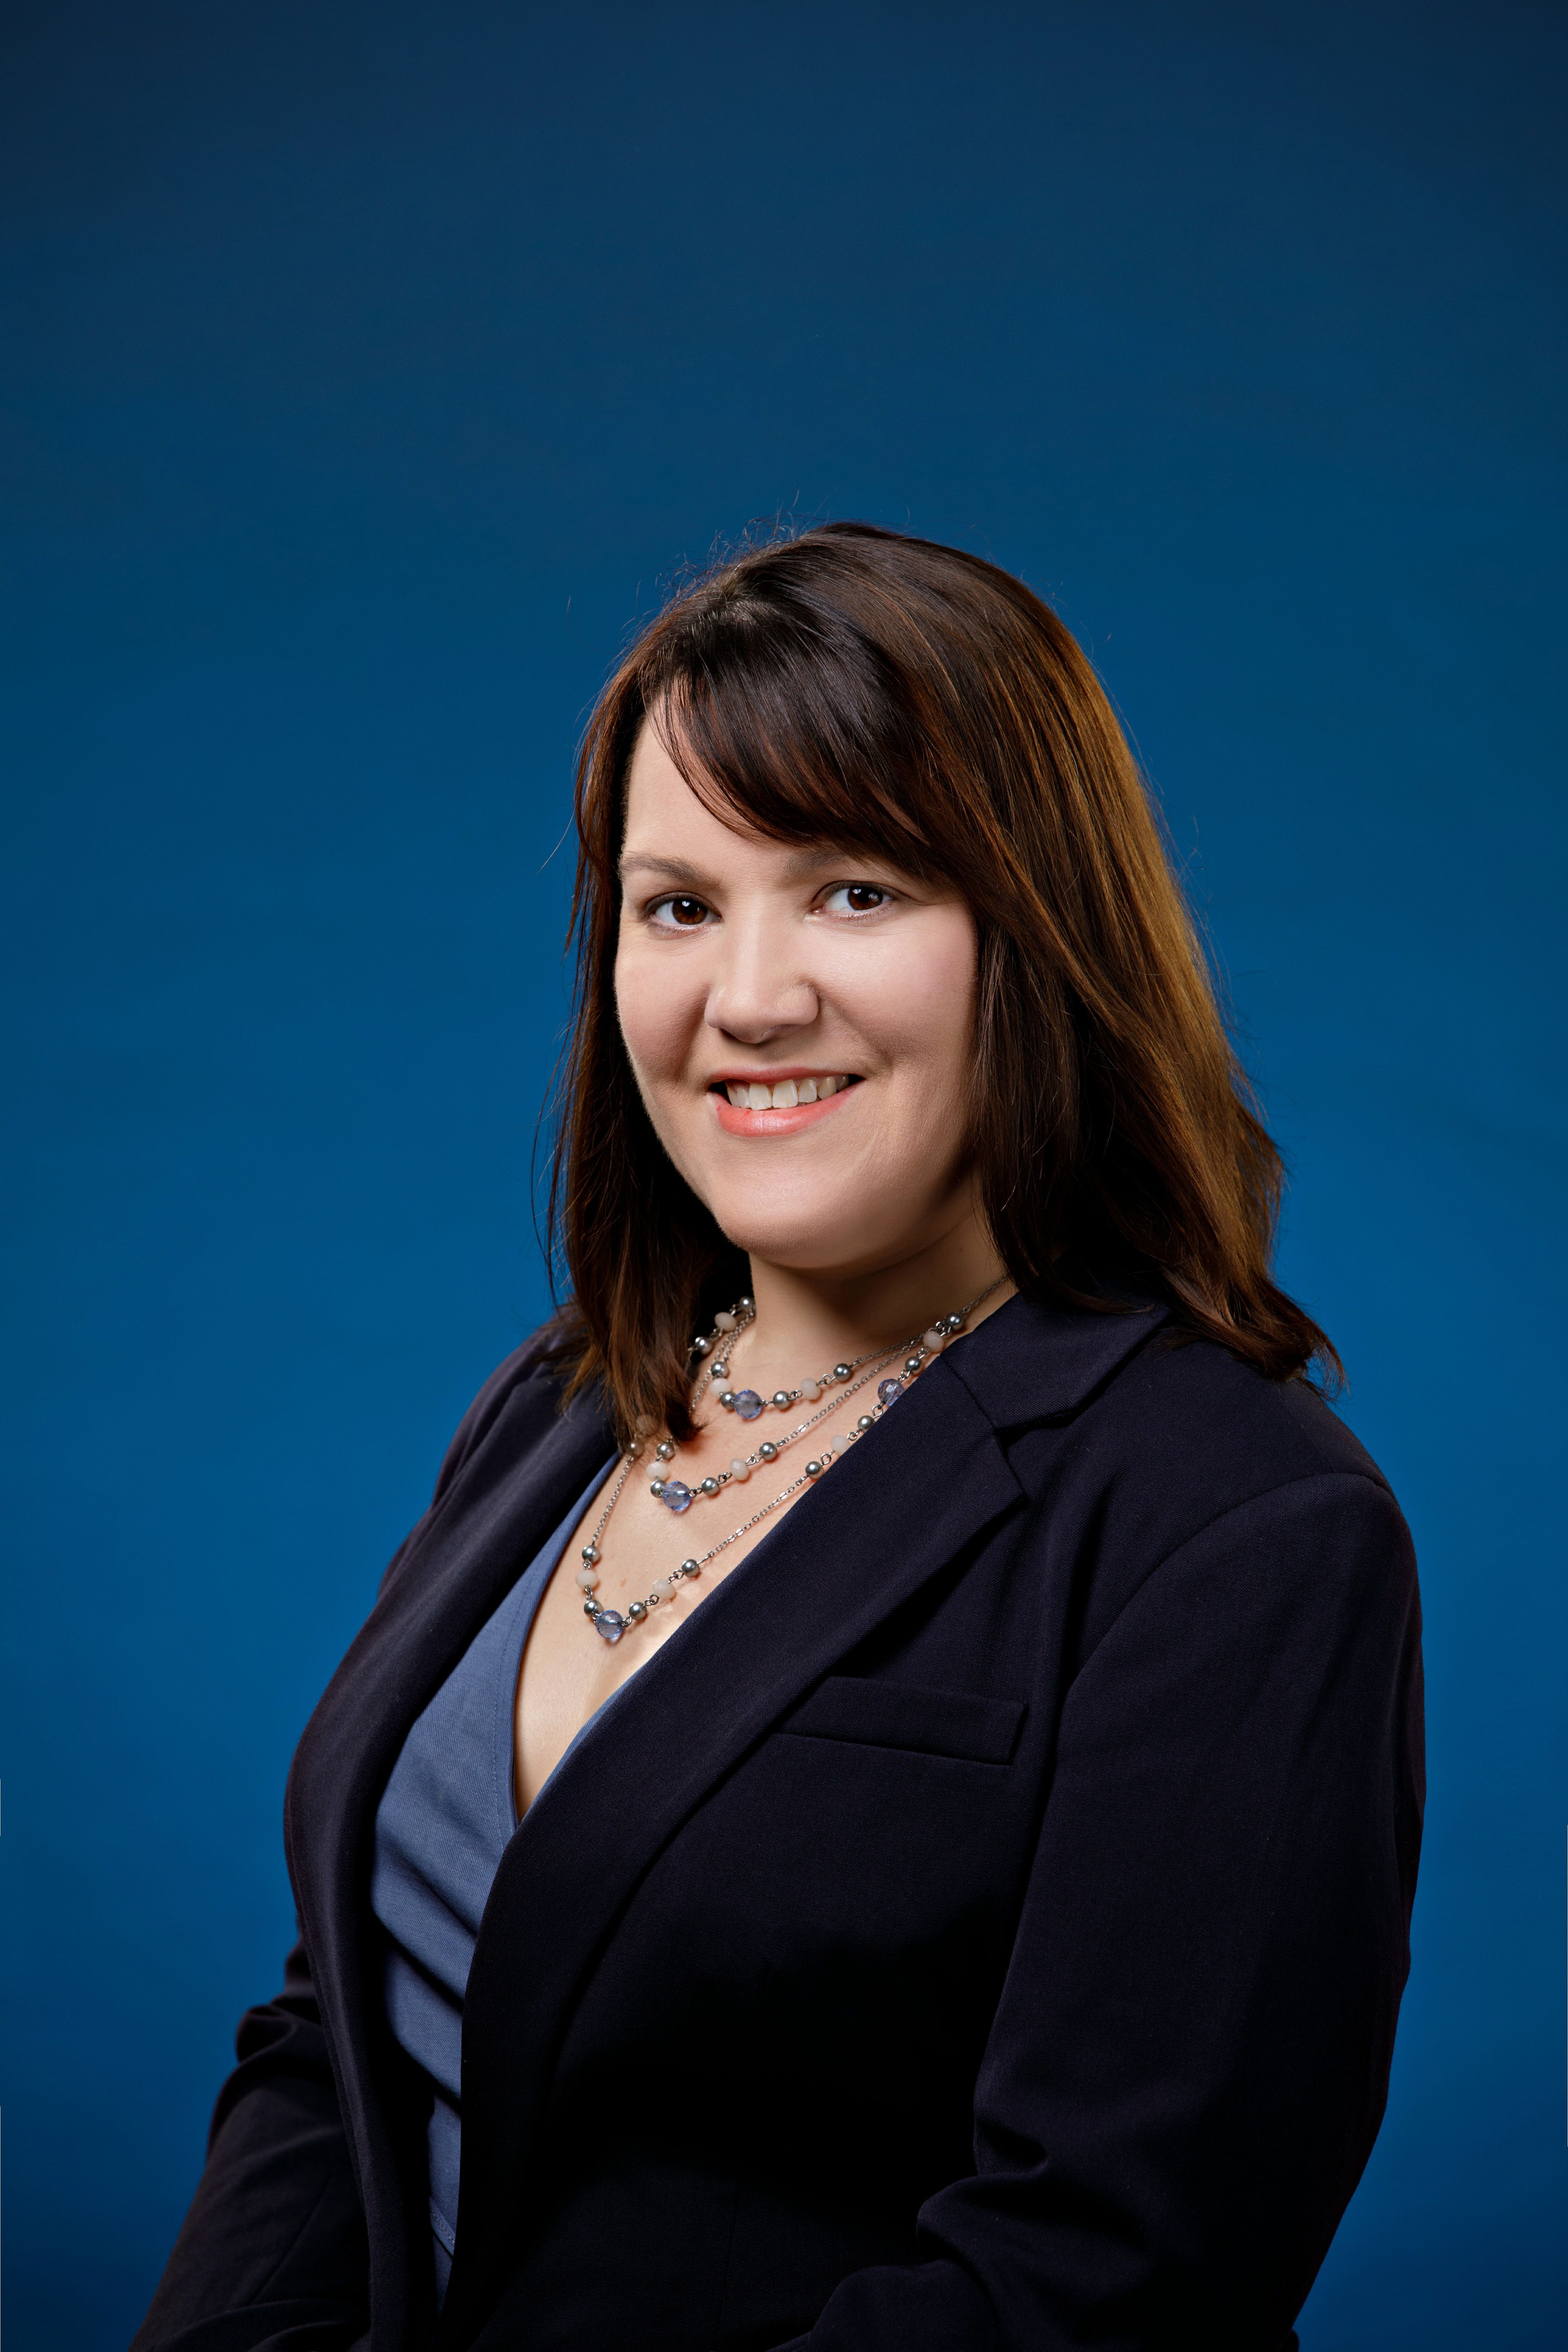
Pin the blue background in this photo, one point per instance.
(362, 373)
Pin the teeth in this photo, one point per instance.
(788, 1094)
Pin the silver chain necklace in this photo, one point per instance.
(917, 1353)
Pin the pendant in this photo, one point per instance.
(610, 1624)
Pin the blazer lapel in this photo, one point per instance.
(928, 1480)
(458, 1565)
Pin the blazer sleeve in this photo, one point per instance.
(273, 2256)
(1190, 2058)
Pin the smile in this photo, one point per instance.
(785, 1094)
(780, 1106)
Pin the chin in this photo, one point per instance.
(821, 1235)
(804, 1244)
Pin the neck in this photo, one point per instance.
(807, 1322)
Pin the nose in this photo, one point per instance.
(759, 990)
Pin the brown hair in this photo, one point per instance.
(856, 686)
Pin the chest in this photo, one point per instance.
(568, 1670)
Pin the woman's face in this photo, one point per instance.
(801, 1025)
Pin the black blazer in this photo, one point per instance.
(980, 1929)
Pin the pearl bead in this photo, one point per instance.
(864, 1421)
(708, 1486)
(745, 1307)
(739, 1471)
(781, 1400)
(690, 1568)
(814, 1469)
(656, 1487)
(700, 1347)
(587, 1577)
(811, 1390)
(665, 1450)
(934, 1341)
(842, 1372)
(912, 1365)
(768, 1453)
(639, 1609)
(724, 1320)
(727, 1399)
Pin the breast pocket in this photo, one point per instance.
(960, 1724)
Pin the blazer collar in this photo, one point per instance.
(1031, 1362)
(827, 1575)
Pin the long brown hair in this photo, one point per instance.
(855, 686)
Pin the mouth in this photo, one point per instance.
(779, 1105)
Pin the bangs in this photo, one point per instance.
(791, 723)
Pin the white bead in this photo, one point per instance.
(662, 1589)
(587, 1577)
(724, 1319)
(811, 1390)
(739, 1471)
(934, 1342)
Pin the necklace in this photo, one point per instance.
(919, 1354)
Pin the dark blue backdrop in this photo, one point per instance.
(365, 372)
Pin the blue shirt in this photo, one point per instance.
(445, 1820)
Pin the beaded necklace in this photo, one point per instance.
(728, 1327)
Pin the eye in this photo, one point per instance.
(854, 898)
(679, 914)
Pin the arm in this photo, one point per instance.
(273, 2256)
(1190, 2058)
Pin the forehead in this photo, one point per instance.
(669, 825)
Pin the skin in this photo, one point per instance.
(745, 959)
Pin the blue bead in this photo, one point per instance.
(610, 1623)
(747, 1403)
(676, 1495)
(886, 1391)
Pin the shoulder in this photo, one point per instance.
(1137, 1449)
(517, 1413)
(526, 1387)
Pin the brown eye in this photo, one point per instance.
(863, 898)
(683, 914)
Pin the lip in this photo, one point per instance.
(759, 1124)
(777, 1072)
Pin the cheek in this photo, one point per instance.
(654, 1004)
(923, 1002)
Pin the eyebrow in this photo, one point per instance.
(673, 869)
(800, 867)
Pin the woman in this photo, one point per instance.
(878, 1811)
